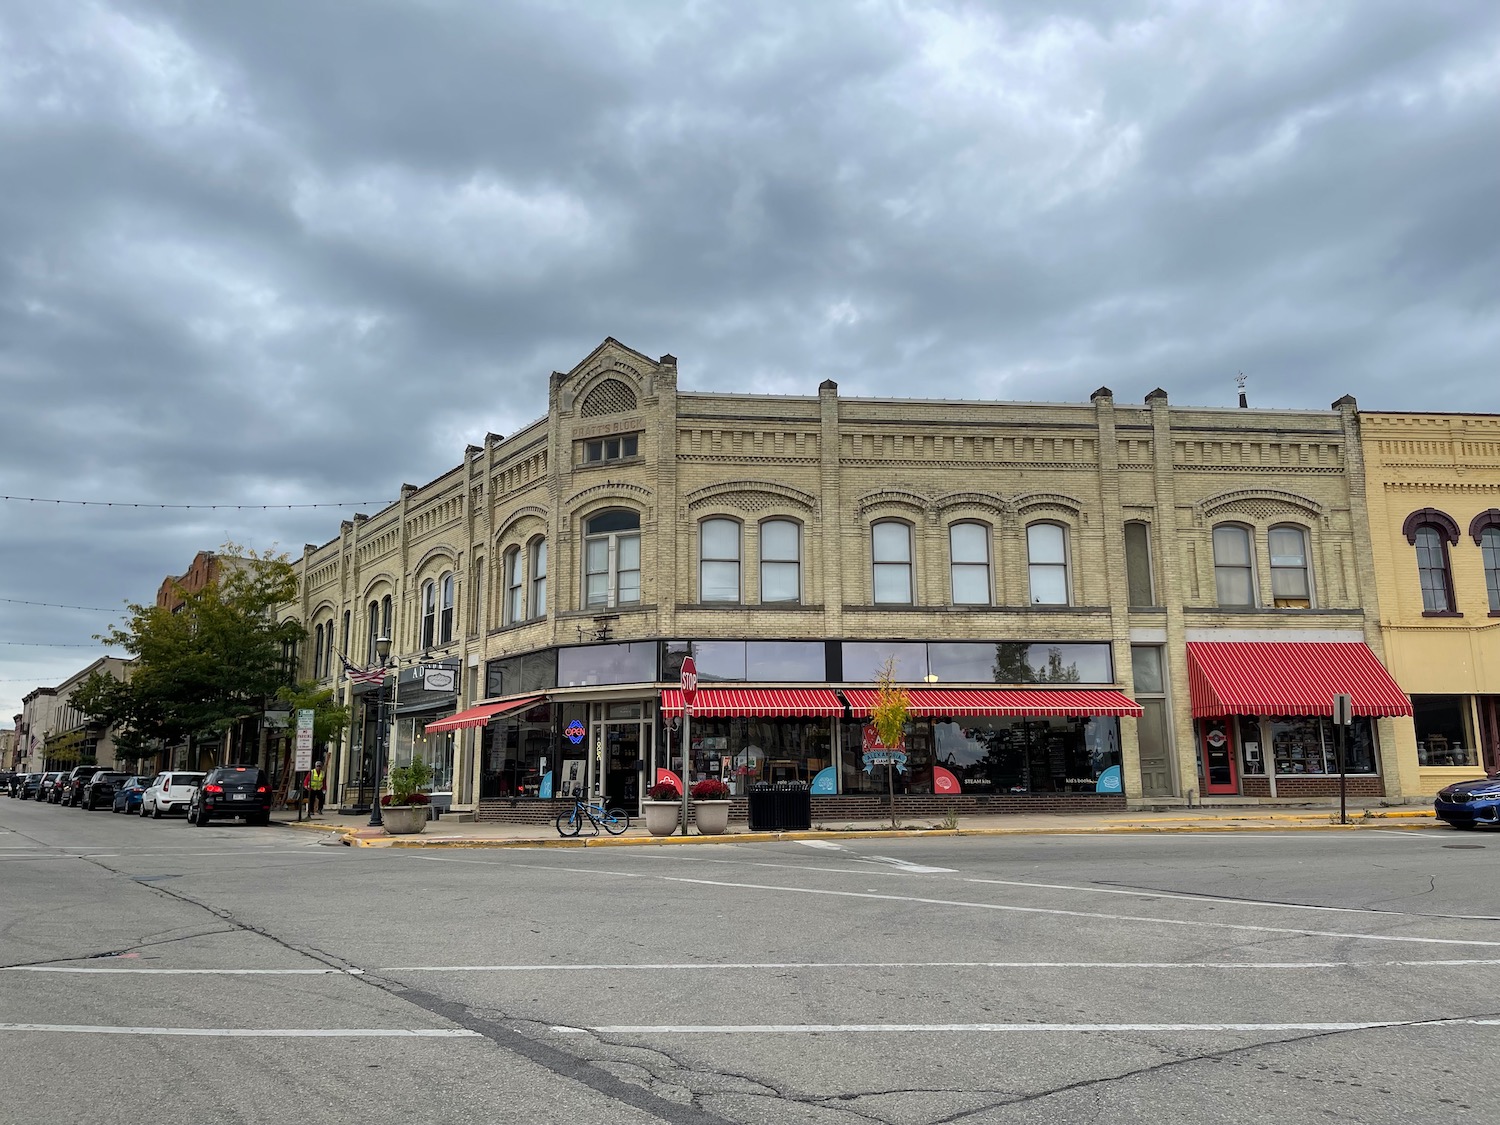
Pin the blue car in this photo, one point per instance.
(128, 796)
(1466, 804)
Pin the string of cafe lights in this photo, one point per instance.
(55, 605)
(235, 507)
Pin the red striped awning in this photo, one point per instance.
(1017, 702)
(1289, 678)
(478, 716)
(754, 702)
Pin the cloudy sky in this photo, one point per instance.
(296, 252)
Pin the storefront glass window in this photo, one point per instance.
(1003, 755)
(864, 660)
(801, 662)
(633, 662)
(412, 742)
(1304, 744)
(516, 751)
(743, 751)
(1252, 753)
(1444, 733)
(719, 661)
(1012, 662)
(535, 671)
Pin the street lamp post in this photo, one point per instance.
(382, 650)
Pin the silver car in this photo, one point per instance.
(169, 794)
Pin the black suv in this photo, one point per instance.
(231, 791)
(100, 790)
(73, 783)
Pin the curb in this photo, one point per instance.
(349, 837)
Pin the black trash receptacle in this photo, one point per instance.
(785, 806)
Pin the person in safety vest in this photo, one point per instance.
(315, 783)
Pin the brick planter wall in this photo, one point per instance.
(835, 811)
(1326, 786)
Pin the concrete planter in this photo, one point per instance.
(662, 817)
(712, 817)
(404, 820)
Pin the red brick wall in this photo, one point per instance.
(1328, 786)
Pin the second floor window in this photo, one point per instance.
(1290, 586)
(387, 622)
(429, 614)
(1139, 582)
(1432, 569)
(611, 449)
(374, 632)
(780, 561)
(1489, 547)
(1233, 574)
(612, 559)
(317, 651)
(514, 587)
(969, 555)
(445, 617)
(539, 578)
(719, 561)
(1047, 560)
(890, 544)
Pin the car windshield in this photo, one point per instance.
(181, 779)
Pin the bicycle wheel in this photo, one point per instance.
(569, 823)
(615, 821)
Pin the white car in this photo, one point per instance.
(169, 794)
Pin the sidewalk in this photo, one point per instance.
(353, 830)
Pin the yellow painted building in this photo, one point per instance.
(1433, 487)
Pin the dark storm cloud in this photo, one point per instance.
(300, 250)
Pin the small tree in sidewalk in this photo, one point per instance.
(889, 717)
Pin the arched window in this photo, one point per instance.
(1291, 582)
(1047, 562)
(347, 636)
(1485, 528)
(429, 614)
(386, 619)
(514, 587)
(374, 631)
(719, 561)
(327, 648)
(539, 578)
(317, 667)
(612, 559)
(780, 561)
(1433, 571)
(969, 563)
(890, 547)
(445, 620)
(1234, 572)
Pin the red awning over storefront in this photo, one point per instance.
(1288, 678)
(478, 716)
(1015, 702)
(717, 703)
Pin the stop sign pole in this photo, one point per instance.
(689, 693)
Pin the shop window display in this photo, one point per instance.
(1444, 733)
(515, 752)
(1304, 745)
(743, 751)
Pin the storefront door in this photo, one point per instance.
(622, 739)
(1216, 745)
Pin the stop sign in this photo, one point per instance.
(689, 681)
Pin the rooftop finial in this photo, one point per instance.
(1239, 381)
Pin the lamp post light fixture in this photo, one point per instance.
(383, 652)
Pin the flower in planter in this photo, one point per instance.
(664, 791)
(408, 784)
(710, 789)
(413, 799)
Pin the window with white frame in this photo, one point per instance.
(611, 449)
(969, 563)
(445, 615)
(719, 561)
(429, 614)
(1291, 586)
(890, 545)
(374, 632)
(1047, 563)
(612, 559)
(387, 621)
(1234, 575)
(514, 587)
(539, 578)
(780, 561)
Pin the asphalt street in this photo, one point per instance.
(152, 971)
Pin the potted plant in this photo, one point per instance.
(711, 806)
(404, 810)
(663, 805)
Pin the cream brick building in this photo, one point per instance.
(1036, 571)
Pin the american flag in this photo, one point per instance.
(362, 675)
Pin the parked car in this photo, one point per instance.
(1468, 804)
(73, 783)
(100, 790)
(48, 788)
(231, 791)
(31, 784)
(127, 797)
(169, 793)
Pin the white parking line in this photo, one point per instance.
(179, 972)
(255, 1032)
(1233, 966)
(1007, 1028)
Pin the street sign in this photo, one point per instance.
(1343, 710)
(689, 681)
(304, 743)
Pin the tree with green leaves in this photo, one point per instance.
(889, 716)
(208, 667)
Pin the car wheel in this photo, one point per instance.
(202, 820)
(155, 812)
